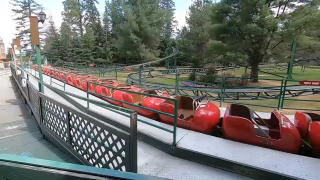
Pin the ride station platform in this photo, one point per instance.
(151, 161)
(19, 132)
(248, 160)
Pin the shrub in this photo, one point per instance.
(209, 77)
(245, 79)
(192, 76)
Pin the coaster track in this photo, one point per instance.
(214, 93)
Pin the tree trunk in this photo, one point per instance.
(254, 72)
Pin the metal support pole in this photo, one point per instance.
(64, 82)
(87, 93)
(280, 95)
(140, 67)
(21, 61)
(293, 54)
(175, 118)
(39, 68)
(133, 139)
(116, 71)
(177, 82)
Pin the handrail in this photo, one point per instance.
(21, 167)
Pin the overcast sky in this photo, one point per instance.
(54, 8)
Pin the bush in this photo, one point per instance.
(228, 80)
(245, 79)
(192, 76)
(209, 77)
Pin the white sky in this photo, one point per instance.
(55, 7)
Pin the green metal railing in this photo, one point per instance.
(271, 93)
(19, 168)
(297, 99)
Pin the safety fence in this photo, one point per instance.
(268, 93)
(301, 97)
(88, 140)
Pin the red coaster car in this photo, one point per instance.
(116, 94)
(308, 125)
(93, 84)
(278, 132)
(80, 79)
(192, 114)
(70, 77)
(145, 101)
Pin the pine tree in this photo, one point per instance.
(91, 13)
(73, 15)
(194, 38)
(100, 40)
(52, 47)
(22, 9)
(66, 42)
(169, 25)
(88, 42)
(137, 29)
(107, 32)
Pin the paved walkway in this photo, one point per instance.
(19, 132)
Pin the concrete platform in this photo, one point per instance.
(19, 132)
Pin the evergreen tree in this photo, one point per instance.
(73, 15)
(22, 9)
(52, 47)
(91, 13)
(100, 40)
(194, 38)
(137, 29)
(169, 25)
(88, 46)
(107, 32)
(66, 35)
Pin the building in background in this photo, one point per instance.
(2, 50)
